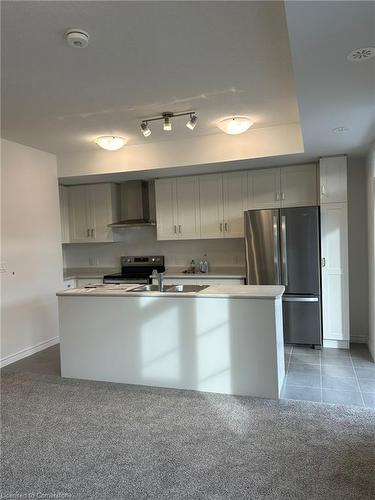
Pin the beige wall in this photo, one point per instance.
(31, 251)
(357, 235)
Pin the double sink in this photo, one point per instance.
(169, 288)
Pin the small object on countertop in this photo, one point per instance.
(205, 264)
(201, 266)
(192, 266)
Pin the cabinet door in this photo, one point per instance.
(79, 214)
(264, 188)
(333, 179)
(211, 206)
(166, 210)
(64, 213)
(298, 186)
(234, 203)
(101, 214)
(188, 214)
(335, 294)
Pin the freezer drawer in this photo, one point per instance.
(302, 320)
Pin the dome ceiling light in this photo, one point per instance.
(110, 142)
(235, 125)
(166, 117)
(361, 54)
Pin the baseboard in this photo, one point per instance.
(358, 338)
(336, 344)
(24, 353)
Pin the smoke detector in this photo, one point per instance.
(77, 38)
(361, 54)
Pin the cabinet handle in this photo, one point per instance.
(283, 196)
(221, 227)
(179, 228)
(225, 227)
(323, 190)
(175, 229)
(323, 262)
(277, 196)
(88, 233)
(92, 233)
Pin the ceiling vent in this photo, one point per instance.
(361, 54)
(77, 37)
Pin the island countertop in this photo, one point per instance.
(218, 291)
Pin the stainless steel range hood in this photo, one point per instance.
(136, 204)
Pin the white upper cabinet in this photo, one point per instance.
(166, 211)
(188, 213)
(234, 203)
(335, 288)
(264, 188)
(333, 179)
(64, 214)
(177, 208)
(211, 206)
(91, 208)
(299, 186)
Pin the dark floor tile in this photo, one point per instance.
(301, 393)
(342, 397)
(288, 348)
(369, 400)
(335, 353)
(339, 383)
(363, 363)
(303, 379)
(305, 359)
(336, 360)
(338, 370)
(368, 372)
(303, 368)
(367, 385)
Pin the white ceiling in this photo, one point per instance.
(149, 57)
(218, 58)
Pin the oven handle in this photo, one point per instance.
(300, 299)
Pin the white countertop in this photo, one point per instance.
(214, 272)
(217, 291)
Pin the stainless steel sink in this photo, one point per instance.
(169, 288)
(185, 288)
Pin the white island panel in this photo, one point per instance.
(226, 345)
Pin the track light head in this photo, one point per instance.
(167, 125)
(146, 131)
(192, 122)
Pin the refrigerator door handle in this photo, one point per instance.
(300, 299)
(284, 257)
(276, 259)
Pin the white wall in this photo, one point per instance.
(357, 235)
(142, 241)
(371, 244)
(31, 250)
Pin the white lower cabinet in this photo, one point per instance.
(335, 279)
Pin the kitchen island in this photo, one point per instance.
(224, 339)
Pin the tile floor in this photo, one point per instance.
(330, 376)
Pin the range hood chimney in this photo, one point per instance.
(135, 205)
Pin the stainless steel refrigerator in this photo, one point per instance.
(283, 247)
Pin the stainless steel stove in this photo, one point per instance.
(136, 269)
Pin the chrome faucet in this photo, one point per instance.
(160, 278)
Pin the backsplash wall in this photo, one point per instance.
(142, 241)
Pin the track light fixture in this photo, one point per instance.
(167, 124)
(146, 131)
(192, 122)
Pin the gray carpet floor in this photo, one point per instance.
(89, 440)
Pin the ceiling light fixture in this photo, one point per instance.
(235, 125)
(146, 131)
(192, 122)
(167, 123)
(110, 142)
(361, 54)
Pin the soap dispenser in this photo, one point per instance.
(205, 264)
